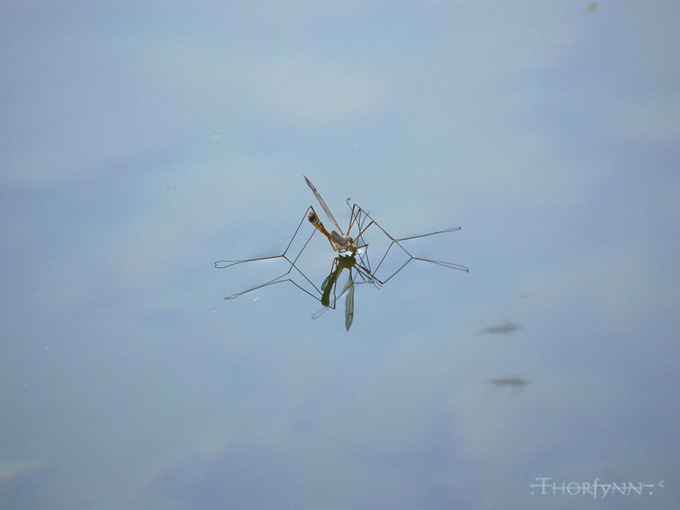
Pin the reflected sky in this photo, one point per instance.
(140, 144)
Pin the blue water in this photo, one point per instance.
(140, 144)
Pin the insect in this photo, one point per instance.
(340, 242)
(352, 255)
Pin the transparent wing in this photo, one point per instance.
(349, 303)
(323, 205)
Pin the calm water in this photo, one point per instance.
(140, 144)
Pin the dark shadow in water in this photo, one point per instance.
(507, 327)
(515, 382)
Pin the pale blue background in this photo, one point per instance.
(142, 141)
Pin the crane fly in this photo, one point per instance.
(340, 242)
(352, 255)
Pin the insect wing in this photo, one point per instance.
(323, 204)
(349, 303)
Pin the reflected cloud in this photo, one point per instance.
(22, 483)
(242, 477)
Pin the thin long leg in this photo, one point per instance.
(444, 263)
(452, 229)
(357, 216)
(367, 276)
(398, 241)
(223, 264)
(352, 218)
(280, 279)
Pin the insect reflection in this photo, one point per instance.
(353, 256)
(340, 263)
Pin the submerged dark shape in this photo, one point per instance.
(516, 382)
(507, 327)
(353, 255)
